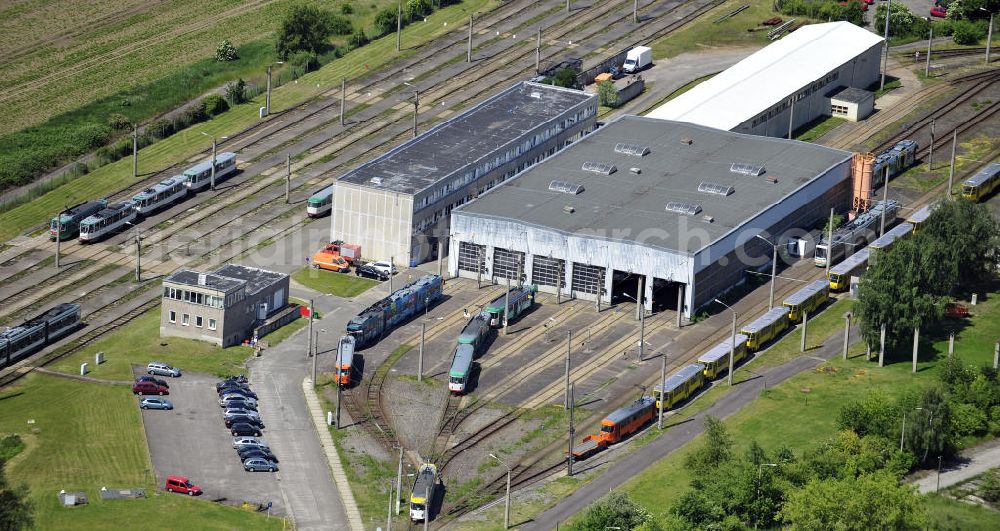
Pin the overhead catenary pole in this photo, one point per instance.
(288, 178)
(399, 479)
(927, 65)
(829, 244)
(881, 347)
(416, 110)
(468, 57)
(392, 261)
(635, 12)
(399, 22)
(343, 98)
(388, 514)
(316, 355)
(308, 354)
(930, 149)
(59, 226)
(440, 255)
(642, 333)
(135, 151)
(569, 356)
(805, 326)
(600, 288)
(951, 172)
(885, 46)
(427, 506)
(663, 379)
(420, 354)
(572, 432)
(847, 331)
(267, 99)
(916, 346)
(538, 49)
(506, 306)
(138, 257)
(885, 202)
(791, 116)
(989, 38)
(774, 275)
(214, 147)
(680, 305)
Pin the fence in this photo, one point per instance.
(276, 321)
(633, 89)
(587, 76)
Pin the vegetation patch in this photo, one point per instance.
(746, 28)
(332, 283)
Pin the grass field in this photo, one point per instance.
(809, 401)
(946, 513)
(973, 152)
(817, 128)
(139, 342)
(83, 436)
(190, 142)
(345, 285)
(732, 32)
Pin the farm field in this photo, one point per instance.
(83, 436)
(187, 143)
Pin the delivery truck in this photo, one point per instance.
(637, 58)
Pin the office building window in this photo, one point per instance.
(197, 321)
(211, 324)
(185, 320)
(173, 316)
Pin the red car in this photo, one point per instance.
(181, 485)
(149, 388)
(938, 11)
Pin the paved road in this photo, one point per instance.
(680, 434)
(974, 462)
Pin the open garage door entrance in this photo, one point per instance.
(665, 294)
(624, 286)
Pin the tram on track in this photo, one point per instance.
(981, 185)
(716, 359)
(422, 493)
(107, 221)
(679, 386)
(807, 299)
(765, 328)
(320, 203)
(370, 325)
(345, 358)
(22, 340)
(200, 175)
(69, 224)
(461, 368)
(160, 195)
(520, 300)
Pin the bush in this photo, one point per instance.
(416, 9)
(226, 52)
(385, 22)
(214, 104)
(304, 28)
(565, 77)
(340, 25)
(161, 128)
(967, 419)
(119, 122)
(966, 33)
(305, 60)
(607, 94)
(346, 9)
(358, 39)
(236, 91)
(989, 488)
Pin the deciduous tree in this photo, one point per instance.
(871, 501)
(305, 28)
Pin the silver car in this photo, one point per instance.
(257, 464)
(231, 401)
(155, 403)
(233, 411)
(162, 369)
(248, 441)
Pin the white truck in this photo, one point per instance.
(637, 58)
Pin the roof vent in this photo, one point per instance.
(716, 188)
(202, 278)
(751, 169)
(636, 171)
(635, 150)
(708, 218)
(569, 209)
(687, 141)
(682, 207)
(772, 179)
(565, 187)
(537, 95)
(375, 180)
(604, 168)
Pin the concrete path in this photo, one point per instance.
(974, 462)
(681, 433)
(319, 420)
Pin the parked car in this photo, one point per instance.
(237, 390)
(153, 379)
(236, 397)
(155, 403)
(162, 369)
(238, 419)
(182, 485)
(257, 464)
(938, 11)
(244, 428)
(248, 441)
(241, 402)
(149, 388)
(233, 411)
(238, 379)
(367, 271)
(263, 453)
(383, 266)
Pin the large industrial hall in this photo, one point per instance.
(672, 205)
(785, 85)
(397, 206)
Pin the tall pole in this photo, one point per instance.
(881, 347)
(885, 54)
(420, 354)
(416, 109)
(642, 333)
(399, 22)
(506, 306)
(567, 6)
(600, 288)
(506, 505)
(479, 269)
(663, 379)
(343, 98)
(989, 39)
(847, 331)
(392, 261)
(310, 329)
(340, 388)
(829, 244)
(538, 49)
(951, 172)
(267, 99)
(569, 355)
(638, 300)
(885, 202)
(791, 117)
(930, 149)
(427, 506)
(774, 275)
(440, 254)
(59, 226)
(916, 346)
(938, 487)
(214, 147)
(635, 12)
(316, 355)
(680, 304)
(902, 432)
(288, 178)
(135, 151)
(805, 326)
(399, 479)
(572, 432)
(388, 515)
(138, 258)
(468, 54)
(927, 65)
(732, 347)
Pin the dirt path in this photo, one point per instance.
(973, 462)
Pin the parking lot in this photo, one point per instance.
(191, 440)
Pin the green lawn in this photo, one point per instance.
(817, 128)
(950, 514)
(810, 401)
(732, 32)
(83, 436)
(340, 284)
(973, 152)
(139, 342)
(188, 143)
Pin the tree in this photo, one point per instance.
(970, 236)
(929, 430)
(717, 448)
(607, 94)
(304, 28)
(226, 52)
(385, 21)
(873, 414)
(872, 501)
(565, 77)
(15, 509)
(617, 510)
(416, 9)
(236, 91)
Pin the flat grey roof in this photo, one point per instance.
(464, 139)
(228, 278)
(624, 206)
(852, 95)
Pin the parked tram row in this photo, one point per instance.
(96, 219)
